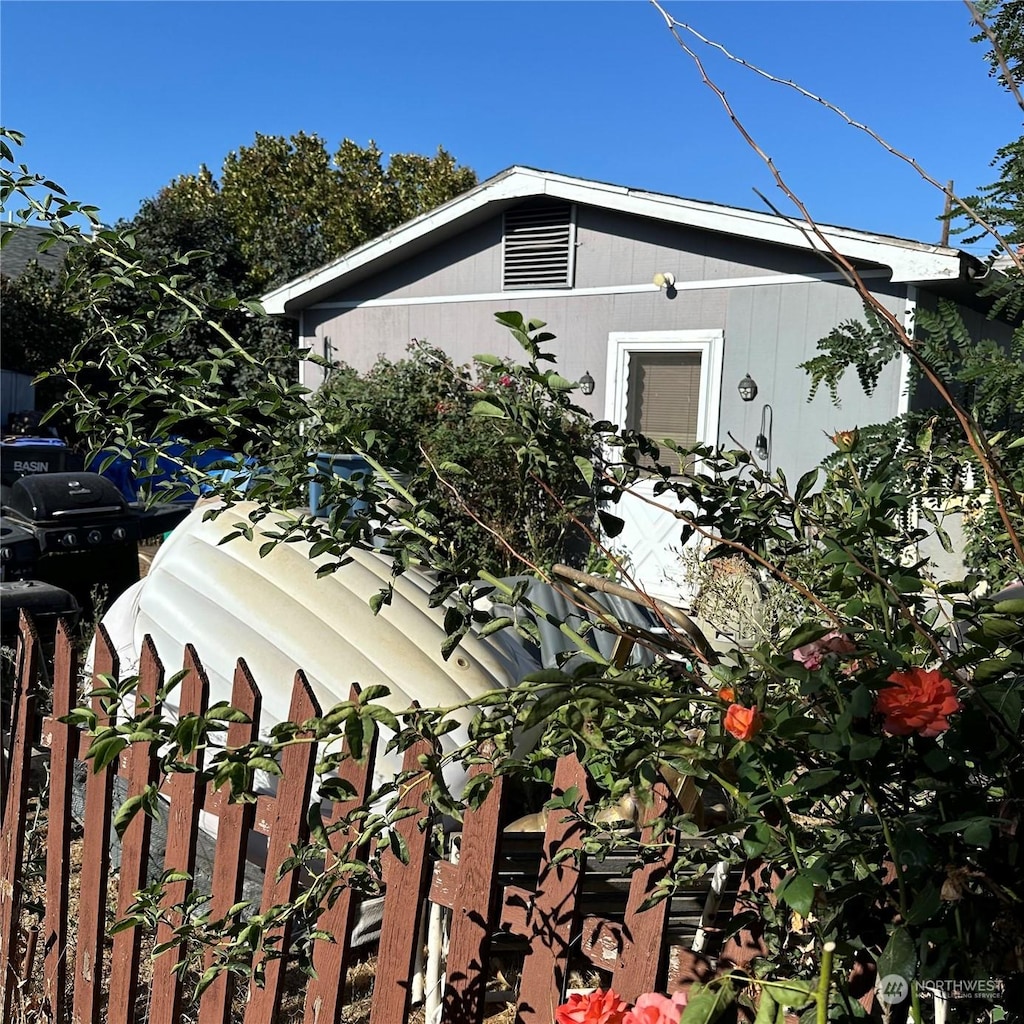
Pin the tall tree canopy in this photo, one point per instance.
(281, 207)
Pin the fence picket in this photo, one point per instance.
(15, 810)
(141, 771)
(183, 790)
(63, 743)
(330, 959)
(472, 903)
(547, 917)
(290, 827)
(638, 967)
(95, 855)
(234, 822)
(405, 889)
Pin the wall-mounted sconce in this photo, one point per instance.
(586, 383)
(748, 388)
(666, 281)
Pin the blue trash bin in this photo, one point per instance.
(345, 466)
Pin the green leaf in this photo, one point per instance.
(797, 891)
(483, 408)
(766, 1008)
(586, 468)
(899, 956)
(708, 1002)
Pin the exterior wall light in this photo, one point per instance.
(748, 388)
(586, 383)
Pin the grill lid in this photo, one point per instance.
(57, 496)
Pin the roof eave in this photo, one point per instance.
(910, 262)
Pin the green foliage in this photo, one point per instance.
(444, 429)
(867, 347)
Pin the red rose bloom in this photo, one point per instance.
(727, 693)
(919, 701)
(597, 1007)
(743, 723)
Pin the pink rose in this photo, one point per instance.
(653, 1008)
(813, 654)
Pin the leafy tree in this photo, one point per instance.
(293, 207)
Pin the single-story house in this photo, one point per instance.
(667, 303)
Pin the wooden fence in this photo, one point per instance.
(79, 974)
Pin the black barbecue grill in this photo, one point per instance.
(77, 532)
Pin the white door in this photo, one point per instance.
(666, 384)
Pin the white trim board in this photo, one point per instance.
(909, 319)
(614, 289)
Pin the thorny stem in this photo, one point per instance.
(824, 982)
(975, 437)
(883, 604)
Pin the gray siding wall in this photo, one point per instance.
(768, 328)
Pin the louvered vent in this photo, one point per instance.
(539, 247)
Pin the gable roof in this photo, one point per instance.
(909, 261)
(23, 248)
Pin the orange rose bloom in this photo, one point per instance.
(727, 693)
(919, 701)
(743, 723)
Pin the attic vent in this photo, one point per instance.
(539, 246)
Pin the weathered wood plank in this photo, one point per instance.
(324, 994)
(182, 833)
(15, 812)
(473, 906)
(638, 967)
(140, 768)
(547, 918)
(290, 827)
(234, 823)
(95, 855)
(406, 886)
(63, 742)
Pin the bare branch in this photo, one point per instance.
(968, 210)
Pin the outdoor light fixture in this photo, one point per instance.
(748, 388)
(665, 280)
(586, 383)
(763, 444)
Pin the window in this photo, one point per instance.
(666, 385)
(539, 246)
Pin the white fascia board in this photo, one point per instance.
(909, 261)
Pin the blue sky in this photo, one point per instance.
(116, 99)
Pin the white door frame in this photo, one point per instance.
(651, 537)
(710, 343)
